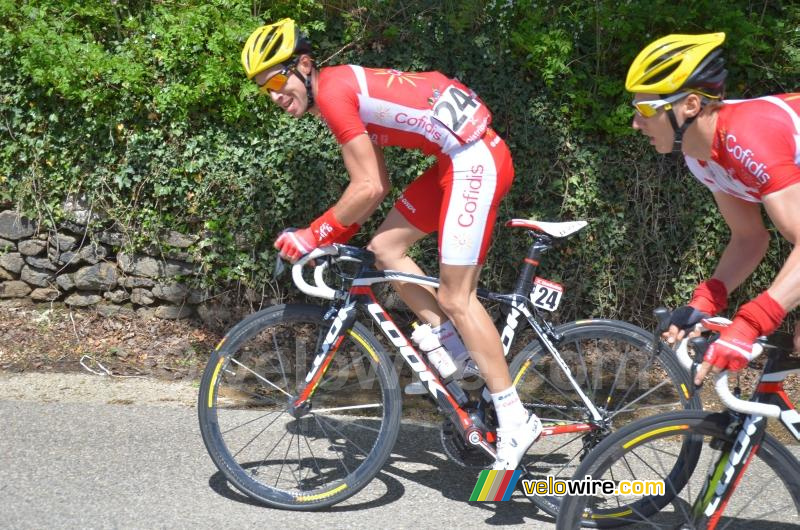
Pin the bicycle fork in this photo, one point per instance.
(725, 475)
(342, 322)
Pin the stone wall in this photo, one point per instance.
(82, 269)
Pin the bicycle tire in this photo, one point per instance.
(586, 346)
(334, 449)
(623, 450)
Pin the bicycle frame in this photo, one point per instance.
(733, 461)
(360, 294)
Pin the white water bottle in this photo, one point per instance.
(428, 342)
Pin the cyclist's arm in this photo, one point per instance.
(782, 208)
(369, 180)
(748, 243)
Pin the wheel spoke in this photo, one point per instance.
(340, 433)
(280, 361)
(333, 444)
(579, 351)
(616, 378)
(248, 422)
(629, 405)
(349, 407)
(554, 387)
(270, 383)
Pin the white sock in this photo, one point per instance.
(510, 412)
(451, 341)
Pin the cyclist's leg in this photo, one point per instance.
(474, 180)
(458, 298)
(391, 242)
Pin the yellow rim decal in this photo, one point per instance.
(638, 439)
(685, 391)
(213, 383)
(366, 346)
(318, 496)
(522, 371)
(608, 515)
(582, 322)
(220, 344)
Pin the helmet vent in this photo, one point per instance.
(267, 40)
(663, 74)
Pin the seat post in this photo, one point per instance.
(541, 244)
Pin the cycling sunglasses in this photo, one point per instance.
(277, 81)
(650, 108)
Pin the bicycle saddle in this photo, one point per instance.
(558, 230)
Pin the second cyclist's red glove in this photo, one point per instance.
(710, 297)
(734, 347)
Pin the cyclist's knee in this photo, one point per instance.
(453, 303)
(385, 252)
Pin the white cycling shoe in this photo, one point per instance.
(512, 444)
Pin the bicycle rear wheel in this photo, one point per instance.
(288, 458)
(766, 497)
(615, 365)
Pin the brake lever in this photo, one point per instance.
(662, 315)
(699, 347)
(279, 267)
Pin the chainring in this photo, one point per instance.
(459, 452)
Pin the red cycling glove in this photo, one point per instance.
(734, 347)
(324, 230)
(294, 244)
(710, 297)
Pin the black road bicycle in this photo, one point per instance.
(744, 477)
(300, 404)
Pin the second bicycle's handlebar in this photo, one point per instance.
(724, 392)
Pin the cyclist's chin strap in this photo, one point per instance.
(679, 130)
(306, 81)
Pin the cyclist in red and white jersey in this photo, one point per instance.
(368, 109)
(747, 152)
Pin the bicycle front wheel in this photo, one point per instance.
(648, 450)
(289, 458)
(616, 366)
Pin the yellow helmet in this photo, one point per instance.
(272, 44)
(678, 62)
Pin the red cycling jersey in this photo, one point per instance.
(756, 148)
(460, 193)
(417, 110)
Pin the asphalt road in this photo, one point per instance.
(82, 451)
(79, 461)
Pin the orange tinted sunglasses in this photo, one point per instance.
(276, 82)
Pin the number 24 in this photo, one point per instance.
(462, 101)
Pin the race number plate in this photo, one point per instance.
(460, 110)
(546, 294)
